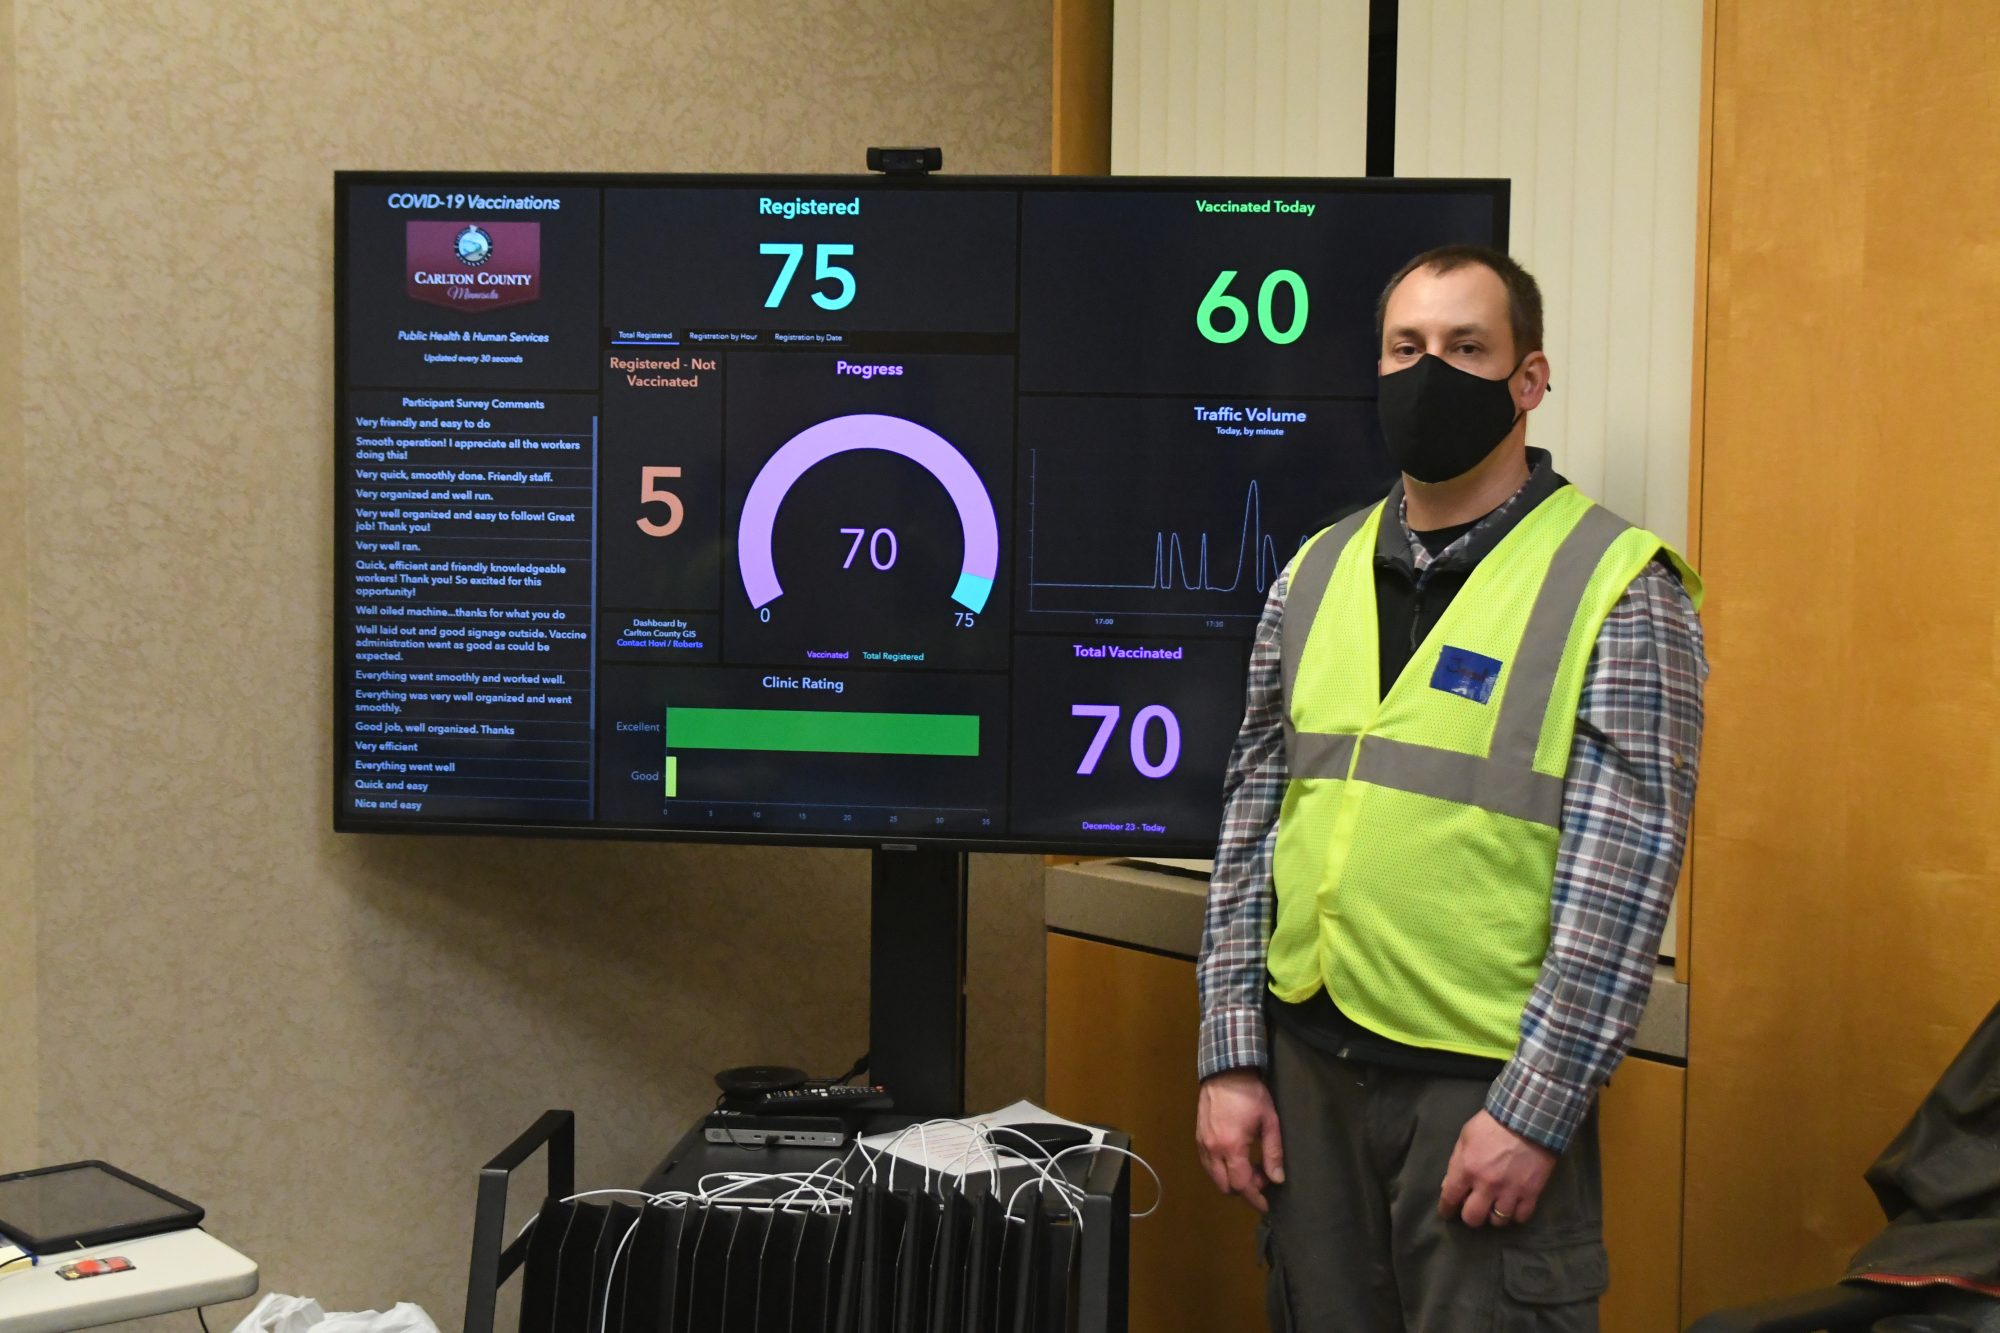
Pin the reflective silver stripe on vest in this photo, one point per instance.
(1518, 732)
(1329, 753)
(1463, 779)
(1318, 754)
(1505, 783)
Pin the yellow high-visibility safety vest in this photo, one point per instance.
(1417, 841)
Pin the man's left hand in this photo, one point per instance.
(1495, 1175)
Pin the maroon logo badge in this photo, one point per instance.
(474, 266)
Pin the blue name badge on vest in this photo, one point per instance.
(1467, 674)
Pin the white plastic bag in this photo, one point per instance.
(278, 1313)
(402, 1317)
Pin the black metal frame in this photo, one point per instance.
(916, 978)
(492, 1265)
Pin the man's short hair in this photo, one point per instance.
(1524, 297)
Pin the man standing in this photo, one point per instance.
(1454, 819)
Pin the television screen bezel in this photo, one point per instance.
(1497, 189)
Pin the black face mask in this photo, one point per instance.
(1442, 421)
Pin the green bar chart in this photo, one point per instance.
(806, 731)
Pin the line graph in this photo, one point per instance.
(1257, 557)
(1254, 546)
(1161, 515)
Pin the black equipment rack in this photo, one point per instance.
(1103, 1270)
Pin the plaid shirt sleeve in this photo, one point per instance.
(1236, 933)
(1626, 801)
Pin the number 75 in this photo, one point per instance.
(794, 251)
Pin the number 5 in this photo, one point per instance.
(652, 492)
(823, 270)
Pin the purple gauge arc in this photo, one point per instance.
(869, 430)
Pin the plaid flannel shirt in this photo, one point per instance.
(1626, 800)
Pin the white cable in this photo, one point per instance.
(1044, 1169)
(1044, 1166)
(1068, 1203)
(739, 1181)
(587, 1194)
(922, 1129)
(958, 1168)
(1044, 1177)
(1159, 1186)
(889, 1148)
(834, 1189)
(830, 1170)
(611, 1275)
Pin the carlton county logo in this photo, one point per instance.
(473, 266)
(474, 246)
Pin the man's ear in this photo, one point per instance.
(1531, 382)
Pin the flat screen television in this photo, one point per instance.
(850, 510)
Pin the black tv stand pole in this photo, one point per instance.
(916, 978)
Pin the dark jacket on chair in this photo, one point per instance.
(1939, 1182)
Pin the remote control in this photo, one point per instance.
(825, 1097)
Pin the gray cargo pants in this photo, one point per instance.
(1353, 1240)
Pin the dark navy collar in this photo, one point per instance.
(1395, 544)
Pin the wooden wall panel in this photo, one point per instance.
(1122, 1028)
(1080, 141)
(1640, 1123)
(1846, 899)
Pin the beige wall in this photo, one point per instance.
(321, 1037)
(1240, 87)
(18, 1090)
(1593, 111)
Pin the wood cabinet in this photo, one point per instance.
(1122, 1026)
(1121, 1051)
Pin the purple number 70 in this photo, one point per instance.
(1107, 716)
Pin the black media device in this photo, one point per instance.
(906, 161)
(55, 1208)
(746, 1129)
(749, 1081)
(876, 510)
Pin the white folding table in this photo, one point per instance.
(178, 1270)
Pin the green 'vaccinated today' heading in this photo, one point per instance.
(1298, 206)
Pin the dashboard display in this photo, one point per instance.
(831, 509)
